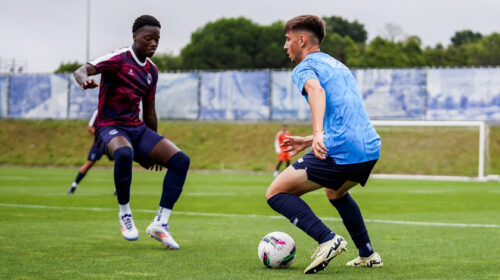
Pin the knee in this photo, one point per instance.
(183, 161)
(179, 161)
(334, 195)
(270, 193)
(124, 154)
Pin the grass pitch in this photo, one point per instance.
(422, 229)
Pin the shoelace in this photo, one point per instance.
(127, 220)
(165, 227)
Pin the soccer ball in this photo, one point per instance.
(277, 250)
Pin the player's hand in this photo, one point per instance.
(155, 167)
(91, 130)
(317, 147)
(89, 84)
(294, 144)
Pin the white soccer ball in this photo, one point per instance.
(277, 250)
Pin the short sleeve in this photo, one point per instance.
(107, 63)
(301, 74)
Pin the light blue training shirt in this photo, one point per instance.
(348, 134)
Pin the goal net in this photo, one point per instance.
(439, 150)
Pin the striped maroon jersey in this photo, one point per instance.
(125, 81)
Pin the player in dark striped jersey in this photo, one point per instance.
(128, 77)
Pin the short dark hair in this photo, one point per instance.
(307, 22)
(143, 21)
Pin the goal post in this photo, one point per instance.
(483, 144)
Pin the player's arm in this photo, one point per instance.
(82, 76)
(90, 126)
(296, 144)
(151, 121)
(149, 114)
(277, 143)
(317, 103)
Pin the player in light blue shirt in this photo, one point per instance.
(349, 137)
(344, 148)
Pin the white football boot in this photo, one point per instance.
(325, 252)
(374, 260)
(161, 233)
(129, 231)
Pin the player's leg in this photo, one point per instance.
(81, 173)
(284, 197)
(120, 148)
(353, 220)
(177, 163)
(167, 154)
(277, 170)
(93, 156)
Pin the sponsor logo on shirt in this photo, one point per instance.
(131, 72)
(149, 78)
(333, 62)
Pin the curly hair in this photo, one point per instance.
(307, 22)
(143, 21)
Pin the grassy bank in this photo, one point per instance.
(442, 151)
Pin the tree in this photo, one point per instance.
(269, 47)
(393, 31)
(343, 49)
(411, 48)
(486, 52)
(354, 29)
(464, 37)
(67, 67)
(223, 44)
(384, 53)
(167, 62)
(438, 56)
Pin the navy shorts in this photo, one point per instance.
(94, 154)
(331, 175)
(142, 138)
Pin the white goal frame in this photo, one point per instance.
(483, 130)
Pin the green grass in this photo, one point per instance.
(78, 237)
(237, 146)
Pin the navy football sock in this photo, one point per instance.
(278, 166)
(299, 213)
(79, 177)
(354, 223)
(123, 173)
(174, 180)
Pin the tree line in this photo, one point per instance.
(239, 43)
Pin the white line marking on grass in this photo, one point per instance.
(210, 194)
(430, 191)
(245, 215)
(14, 178)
